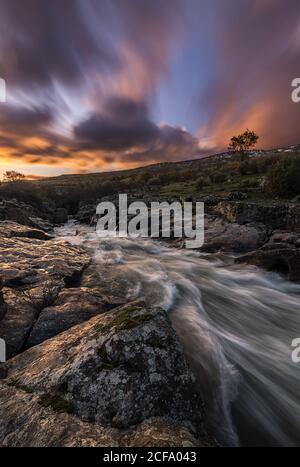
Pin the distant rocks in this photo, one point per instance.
(275, 216)
(278, 257)
(86, 213)
(221, 235)
(60, 216)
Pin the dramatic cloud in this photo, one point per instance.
(107, 84)
(123, 124)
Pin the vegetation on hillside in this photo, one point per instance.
(262, 175)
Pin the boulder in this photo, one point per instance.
(12, 229)
(279, 236)
(276, 216)
(72, 307)
(281, 258)
(221, 235)
(26, 421)
(86, 213)
(16, 211)
(31, 271)
(27, 261)
(118, 369)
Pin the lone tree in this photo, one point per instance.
(243, 142)
(12, 176)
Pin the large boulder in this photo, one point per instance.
(16, 211)
(85, 213)
(118, 370)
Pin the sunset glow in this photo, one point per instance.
(102, 85)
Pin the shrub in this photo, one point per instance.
(200, 183)
(244, 168)
(284, 178)
(217, 177)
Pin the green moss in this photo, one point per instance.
(126, 320)
(57, 403)
(22, 387)
(25, 388)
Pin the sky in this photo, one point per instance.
(97, 85)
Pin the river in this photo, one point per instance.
(236, 325)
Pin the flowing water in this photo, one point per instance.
(236, 325)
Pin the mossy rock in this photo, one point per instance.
(130, 318)
(56, 403)
(107, 364)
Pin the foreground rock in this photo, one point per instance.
(118, 370)
(27, 422)
(277, 257)
(118, 380)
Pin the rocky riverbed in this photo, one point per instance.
(89, 366)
